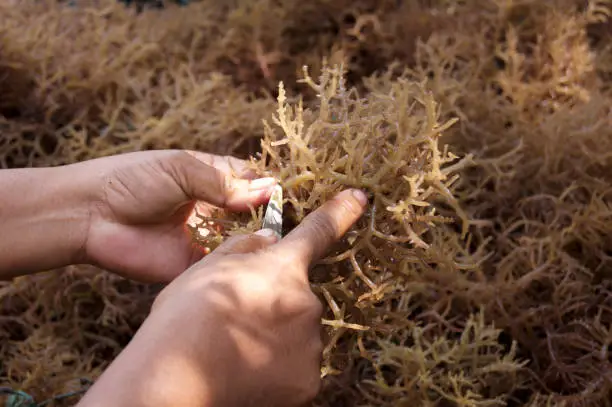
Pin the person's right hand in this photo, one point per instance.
(239, 328)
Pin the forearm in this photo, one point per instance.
(43, 219)
(155, 370)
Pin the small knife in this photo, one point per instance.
(273, 218)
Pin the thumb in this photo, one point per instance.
(311, 239)
(204, 182)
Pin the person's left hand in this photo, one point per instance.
(142, 201)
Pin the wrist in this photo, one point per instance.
(45, 218)
(80, 193)
(156, 369)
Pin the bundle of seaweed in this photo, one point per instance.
(386, 143)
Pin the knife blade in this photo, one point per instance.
(273, 218)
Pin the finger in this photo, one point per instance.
(201, 181)
(248, 243)
(322, 228)
(225, 163)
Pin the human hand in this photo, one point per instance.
(142, 201)
(239, 328)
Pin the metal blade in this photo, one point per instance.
(273, 219)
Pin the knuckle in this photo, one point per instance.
(171, 163)
(175, 162)
(350, 207)
(179, 156)
(223, 184)
(312, 308)
(315, 305)
(302, 306)
(323, 227)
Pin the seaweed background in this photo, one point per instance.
(500, 110)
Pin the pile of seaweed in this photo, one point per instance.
(481, 130)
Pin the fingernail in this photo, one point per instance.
(360, 196)
(262, 183)
(268, 233)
